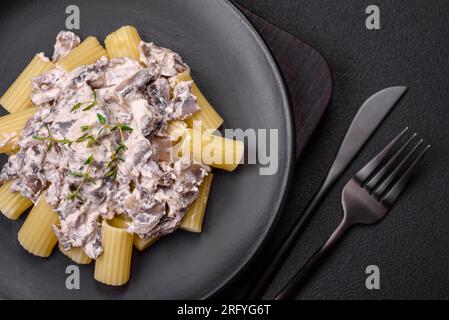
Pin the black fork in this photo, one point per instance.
(367, 198)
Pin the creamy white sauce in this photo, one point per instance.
(147, 188)
(65, 42)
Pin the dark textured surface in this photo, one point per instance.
(411, 245)
(310, 92)
(210, 36)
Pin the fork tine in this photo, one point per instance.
(380, 190)
(392, 196)
(374, 181)
(368, 169)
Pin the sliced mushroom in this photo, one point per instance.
(184, 101)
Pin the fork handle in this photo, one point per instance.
(293, 286)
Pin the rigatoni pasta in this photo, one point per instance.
(142, 244)
(123, 42)
(87, 52)
(11, 127)
(76, 255)
(114, 265)
(36, 235)
(193, 220)
(215, 151)
(12, 204)
(18, 96)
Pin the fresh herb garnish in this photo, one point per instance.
(88, 137)
(112, 173)
(123, 127)
(76, 174)
(86, 178)
(89, 160)
(120, 148)
(85, 128)
(51, 139)
(76, 107)
(101, 118)
(75, 195)
(91, 104)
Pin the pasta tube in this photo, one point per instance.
(215, 151)
(36, 235)
(76, 254)
(18, 96)
(208, 117)
(123, 42)
(193, 220)
(142, 244)
(12, 204)
(87, 52)
(114, 265)
(11, 127)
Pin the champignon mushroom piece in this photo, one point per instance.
(159, 94)
(184, 101)
(168, 63)
(135, 83)
(162, 147)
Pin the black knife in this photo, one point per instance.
(368, 118)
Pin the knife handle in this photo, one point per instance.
(309, 268)
(261, 284)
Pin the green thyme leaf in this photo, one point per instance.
(84, 137)
(76, 174)
(75, 195)
(39, 138)
(48, 129)
(72, 195)
(125, 127)
(89, 160)
(76, 107)
(90, 106)
(101, 118)
(120, 148)
(93, 140)
(85, 128)
(112, 173)
(64, 141)
(90, 144)
(101, 130)
(89, 178)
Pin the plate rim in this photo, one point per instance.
(290, 153)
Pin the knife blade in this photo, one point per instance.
(370, 115)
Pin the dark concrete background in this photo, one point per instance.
(411, 246)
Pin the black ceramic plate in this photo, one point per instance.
(236, 72)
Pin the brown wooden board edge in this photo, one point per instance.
(308, 80)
